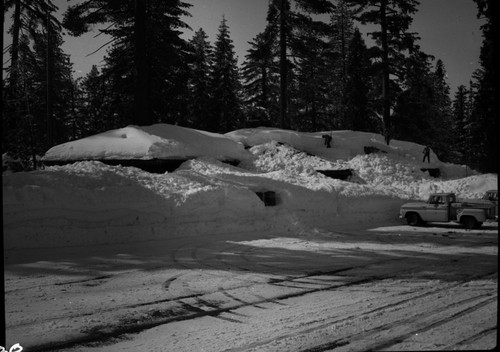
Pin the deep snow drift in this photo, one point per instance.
(91, 203)
(196, 261)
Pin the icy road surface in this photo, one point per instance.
(353, 289)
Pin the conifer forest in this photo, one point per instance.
(309, 69)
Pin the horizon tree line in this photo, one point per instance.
(301, 72)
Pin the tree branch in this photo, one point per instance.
(102, 46)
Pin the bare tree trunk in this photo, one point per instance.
(2, 276)
(14, 60)
(344, 70)
(50, 86)
(283, 66)
(264, 88)
(143, 113)
(385, 74)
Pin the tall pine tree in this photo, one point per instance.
(359, 114)
(393, 40)
(147, 63)
(260, 74)
(461, 117)
(225, 84)
(287, 22)
(199, 81)
(442, 114)
(96, 104)
(484, 110)
(312, 96)
(40, 82)
(414, 108)
(342, 23)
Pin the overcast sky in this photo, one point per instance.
(449, 30)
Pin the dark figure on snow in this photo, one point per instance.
(328, 140)
(427, 154)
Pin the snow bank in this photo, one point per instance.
(347, 145)
(88, 203)
(92, 203)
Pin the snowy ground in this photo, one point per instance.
(111, 258)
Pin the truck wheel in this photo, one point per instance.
(469, 222)
(413, 219)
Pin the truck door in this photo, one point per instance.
(439, 210)
(493, 197)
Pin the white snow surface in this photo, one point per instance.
(89, 203)
(160, 141)
(193, 260)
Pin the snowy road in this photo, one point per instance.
(390, 288)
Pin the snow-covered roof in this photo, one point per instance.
(345, 143)
(160, 141)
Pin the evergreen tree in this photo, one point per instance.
(95, 104)
(393, 40)
(18, 123)
(339, 39)
(484, 111)
(199, 82)
(414, 111)
(74, 122)
(147, 63)
(461, 117)
(287, 22)
(38, 96)
(442, 114)
(312, 96)
(260, 74)
(225, 85)
(359, 114)
(27, 18)
(423, 108)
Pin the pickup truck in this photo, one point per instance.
(444, 207)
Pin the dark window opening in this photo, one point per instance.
(337, 174)
(433, 172)
(269, 198)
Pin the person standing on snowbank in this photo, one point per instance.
(427, 154)
(328, 140)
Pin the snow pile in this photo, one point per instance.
(345, 146)
(160, 141)
(273, 156)
(89, 203)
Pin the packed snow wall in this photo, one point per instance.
(90, 203)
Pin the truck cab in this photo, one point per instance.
(439, 207)
(492, 196)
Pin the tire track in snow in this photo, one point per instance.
(478, 301)
(356, 315)
(117, 331)
(477, 336)
(194, 261)
(370, 334)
